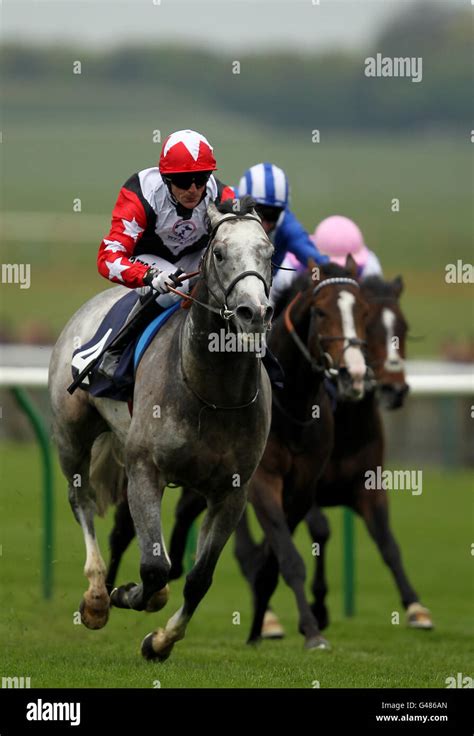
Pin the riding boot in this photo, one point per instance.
(139, 318)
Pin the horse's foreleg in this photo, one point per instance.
(266, 497)
(264, 582)
(374, 511)
(250, 557)
(120, 537)
(319, 530)
(246, 550)
(218, 524)
(188, 508)
(145, 492)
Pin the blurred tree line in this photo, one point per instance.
(290, 90)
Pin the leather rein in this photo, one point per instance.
(329, 370)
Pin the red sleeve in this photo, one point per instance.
(128, 225)
(227, 193)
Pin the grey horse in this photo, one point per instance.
(200, 419)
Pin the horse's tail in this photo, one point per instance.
(107, 471)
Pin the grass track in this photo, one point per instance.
(38, 639)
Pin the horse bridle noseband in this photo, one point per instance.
(223, 310)
(330, 370)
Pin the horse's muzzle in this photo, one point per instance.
(347, 388)
(392, 395)
(253, 316)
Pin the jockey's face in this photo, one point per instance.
(189, 198)
(269, 216)
(268, 226)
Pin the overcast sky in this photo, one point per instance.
(215, 24)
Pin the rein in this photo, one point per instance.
(316, 367)
(224, 310)
(210, 404)
(330, 371)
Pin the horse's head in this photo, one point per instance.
(338, 326)
(386, 333)
(236, 266)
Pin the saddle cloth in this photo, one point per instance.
(121, 388)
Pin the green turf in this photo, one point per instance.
(39, 639)
(79, 140)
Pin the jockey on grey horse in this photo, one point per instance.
(160, 224)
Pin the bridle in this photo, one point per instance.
(330, 370)
(223, 310)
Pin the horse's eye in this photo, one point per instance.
(218, 255)
(320, 312)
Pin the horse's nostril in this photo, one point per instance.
(244, 313)
(268, 314)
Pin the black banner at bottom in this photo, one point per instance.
(61, 711)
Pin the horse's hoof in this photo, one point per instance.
(419, 617)
(155, 646)
(254, 641)
(94, 610)
(119, 596)
(317, 642)
(158, 600)
(272, 628)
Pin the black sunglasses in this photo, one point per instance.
(268, 213)
(185, 181)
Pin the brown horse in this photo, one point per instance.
(358, 447)
(319, 333)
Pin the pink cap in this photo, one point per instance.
(337, 236)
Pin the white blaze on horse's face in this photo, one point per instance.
(353, 358)
(394, 361)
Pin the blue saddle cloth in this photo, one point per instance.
(121, 388)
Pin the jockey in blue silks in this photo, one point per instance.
(268, 185)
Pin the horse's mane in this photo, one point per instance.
(246, 206)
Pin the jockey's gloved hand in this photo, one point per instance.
(159, 280)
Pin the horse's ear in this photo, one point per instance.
(311, 264)
(213, 214)
(398, 285)
(351, 266)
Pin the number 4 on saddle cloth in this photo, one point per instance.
(121, 387)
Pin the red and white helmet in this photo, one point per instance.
(185, 151)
